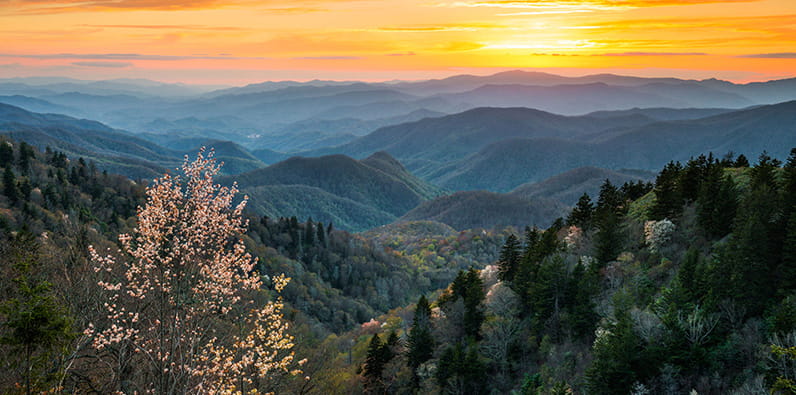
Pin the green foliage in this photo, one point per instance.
(460, 370)
(582, 212)
(420, 339)
(668, 192)
(616, 355)
(36, 326)
(509, 260)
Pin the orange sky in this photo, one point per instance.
(236, 42)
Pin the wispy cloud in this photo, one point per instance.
(780, 55)
(59, 6)
(588, 4)
(120, 56)
(653, 54)
(170, 27)
(333, 57)
(103, 64)
(453, 27)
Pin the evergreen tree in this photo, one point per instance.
(582, 212)
(421, 341)
(26, 153)
(789, 184)
(321, 235)
(6, 154)
(717, 203)
(763, 174)
(692, 176)
(787, 269)
(36, 327)
(10, 185)
(687, 275)
(509, 260)
(582, 317)
(374, 365)
(668, 196)
(610, 199)
(741, 161)
(616, 354)
(608, 240)
(460, 370)
(309, 233)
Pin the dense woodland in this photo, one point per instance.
(687, 284)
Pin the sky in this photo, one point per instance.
(239, 42)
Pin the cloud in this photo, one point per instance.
(103, 64)
(56, 6)
(170, 27)
(401, 54)
(121, 56)
(654, 54)
(779, 55)
(333, 57)
(585, 4)
(453, 27)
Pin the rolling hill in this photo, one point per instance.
(356, 194)
(482, 209)
(568, 187)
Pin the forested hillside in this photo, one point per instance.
(688, 288)
(53, 208)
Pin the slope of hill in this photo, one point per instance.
(379, 183)
(456, 136)
(482, 209)
(569, 186)
(506, 164)
(499, 149)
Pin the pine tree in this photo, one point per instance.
(309, 233)
(581, 214)
(10, 185)
(6, 153)
(37, 326)
(608, 240)
(763, 173)
(787, 269)
(789, 184)
(741, 161)
(421, 340)
(321, 236)
(668, 196)
(374, 365)
(509, 260)
(687, 275)
(616, 353)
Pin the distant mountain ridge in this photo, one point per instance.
(498, 149)
(354, 194)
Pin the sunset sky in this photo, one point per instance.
(237, 42)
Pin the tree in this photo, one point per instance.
(509, 260)
(789, 184)
(374, 364)
(6, 153)
(741, 161)
(10, 185)
(186, 283)
(668, 194)
(36, 326)
(421, 341)
(582, 213)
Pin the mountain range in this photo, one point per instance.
(468, 151)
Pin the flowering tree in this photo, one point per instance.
(658, 233)
(180, 315)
